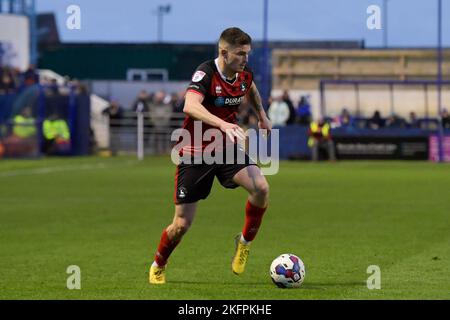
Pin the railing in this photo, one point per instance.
(156, 133)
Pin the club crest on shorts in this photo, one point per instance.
(182, 192)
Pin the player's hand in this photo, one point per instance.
(232, 131)
(264, 123)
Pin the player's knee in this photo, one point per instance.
(182, 226)
(261, 189)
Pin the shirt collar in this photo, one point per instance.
(216, 61)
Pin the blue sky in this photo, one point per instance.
(411, 23)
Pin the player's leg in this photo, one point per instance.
(184, 215)
(192, 183)
(171, 236)
(251, 179)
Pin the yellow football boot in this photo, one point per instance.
(240, 256)
(157, 275)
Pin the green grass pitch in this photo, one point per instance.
(106, 216)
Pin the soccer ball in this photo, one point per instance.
(287, 271)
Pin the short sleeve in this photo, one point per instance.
(201, 79)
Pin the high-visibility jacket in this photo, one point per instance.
(317, 131)
(24, 127)
(56, 129)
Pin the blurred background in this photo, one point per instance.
(89, 87)
(348, 79)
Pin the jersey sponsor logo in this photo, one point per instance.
(219, 102)
(198, 76)
(225, 102)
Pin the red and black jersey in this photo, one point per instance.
(222, 97)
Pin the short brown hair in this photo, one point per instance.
(235, 37)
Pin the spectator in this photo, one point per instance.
(82, 90)
(344, 119)
(445, 118)
(177, 102)
(320, 138)
(30, 76)
(142, 102)
(7, 83)
(160, 115)
(376, 121)
(53, 88)
(178, 116)
(395, 122)
(22, 141)
(278, 112)
(24, 125)
(56, 135)
(304, 111)
(115, 113)
(290, 105)
(413, 121)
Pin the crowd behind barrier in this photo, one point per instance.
(40, 116)
(27, 101)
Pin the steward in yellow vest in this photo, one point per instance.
(24, 125)
(318, 130)
(56, 136)
(320, 138)
(56, 129)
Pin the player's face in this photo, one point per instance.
(237, 57)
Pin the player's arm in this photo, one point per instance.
(193, 107)
(256, 102)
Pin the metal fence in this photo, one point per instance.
(124, 132)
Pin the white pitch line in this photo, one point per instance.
(47, 170)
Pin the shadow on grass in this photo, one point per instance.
(332, 285)
(218, 283)
(305, 286)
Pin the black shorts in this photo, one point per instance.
(193, 182)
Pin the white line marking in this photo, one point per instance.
(47, 170)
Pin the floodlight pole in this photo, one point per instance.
(33, 32)
(265, 90)
(160, 12)
(439, 83)
(385, 23)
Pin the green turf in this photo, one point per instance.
(106, 216)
